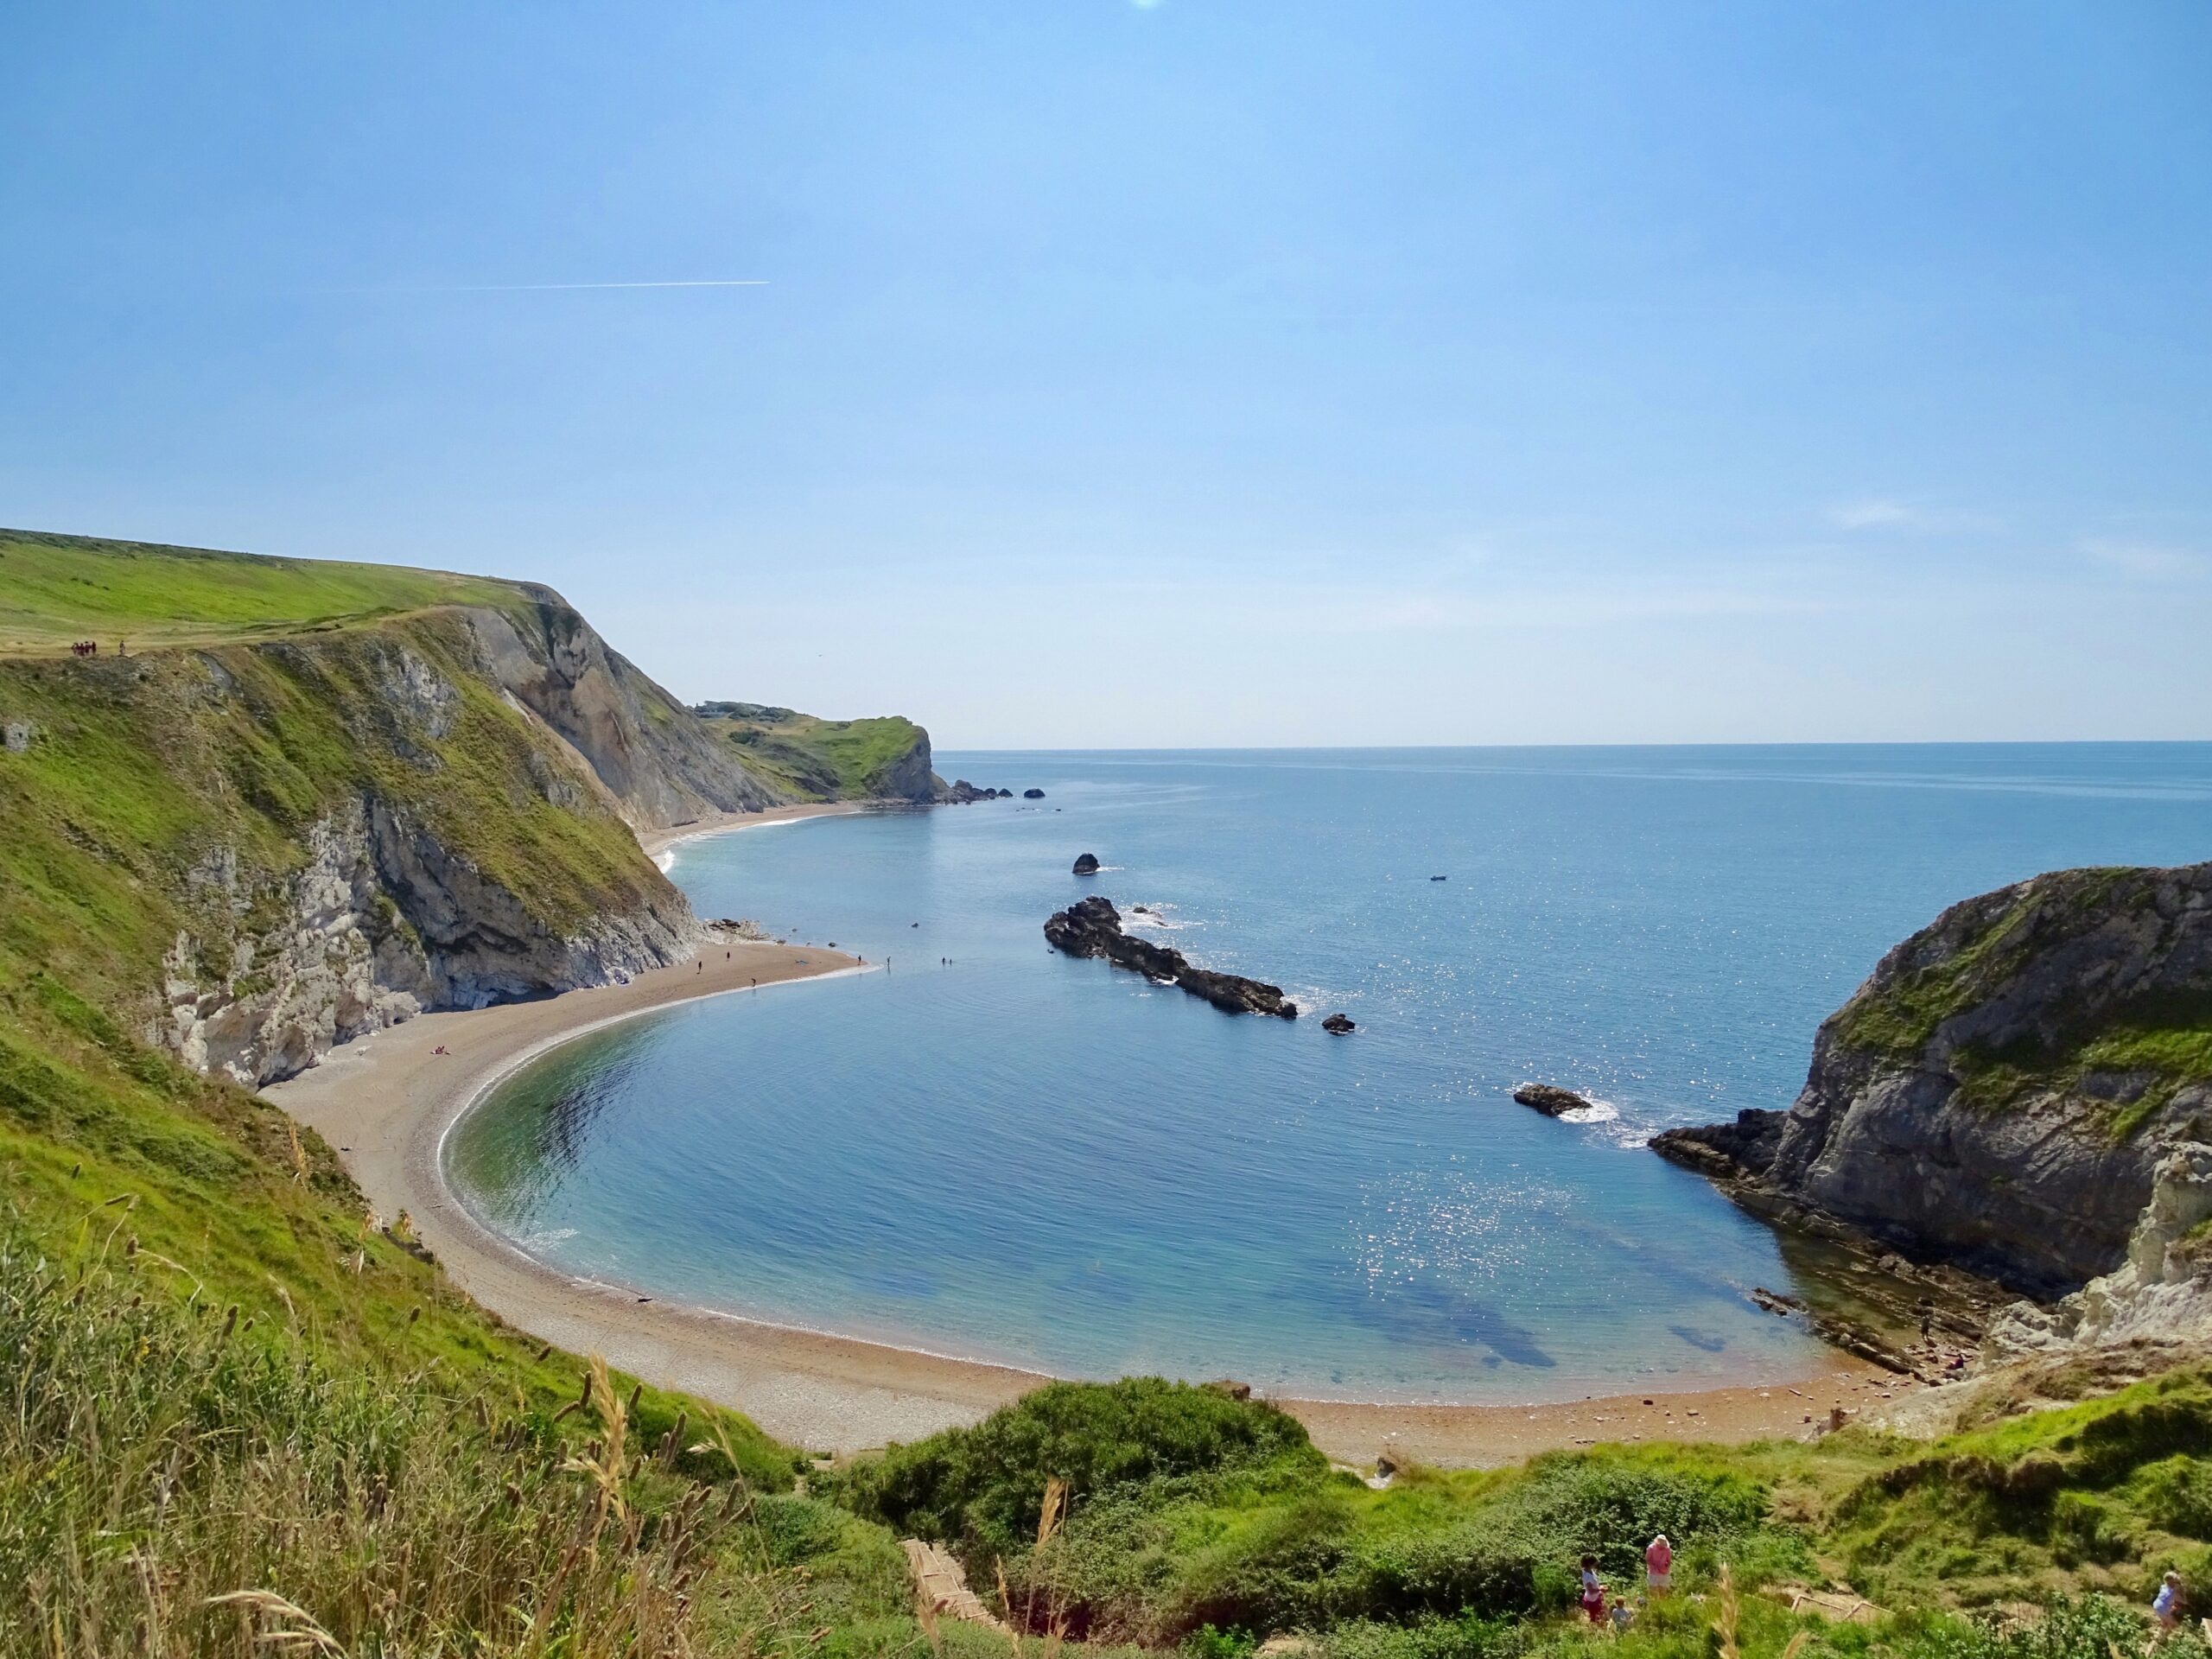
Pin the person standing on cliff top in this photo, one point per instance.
(1659, 1565)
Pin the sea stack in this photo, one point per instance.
(1092, 927)
(1032, 794)
(1339, 1024)
(1550, 1100)
(1087, 864)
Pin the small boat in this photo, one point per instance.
(1439, 878)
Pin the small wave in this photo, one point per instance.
(1598, 1111)
(1155, 917)
(533, 1242)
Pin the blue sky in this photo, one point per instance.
(1198, 373)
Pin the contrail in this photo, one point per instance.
(559, 288)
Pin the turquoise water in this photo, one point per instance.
(1019, 1157)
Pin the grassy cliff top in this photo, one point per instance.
(817, 759)
(57, 589)
(2046, 982)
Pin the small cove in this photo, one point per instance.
(994, 1151)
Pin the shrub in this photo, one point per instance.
(2095, 1627)
(981, 1487)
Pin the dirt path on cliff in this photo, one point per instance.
(387, 1101)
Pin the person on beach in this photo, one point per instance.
(1659, 1565)
(2165, 1606)
(1593, 1591)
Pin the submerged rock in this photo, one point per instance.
(1339, 1025)
(1087, 864)
(1032, 794)
(1092, 927)
(1550, 1100)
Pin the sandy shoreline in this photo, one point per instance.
(387, 1101)
(658, 844)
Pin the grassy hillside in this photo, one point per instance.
(818, 760)
(223, 1368)
(1186, 1510)
(57, 589)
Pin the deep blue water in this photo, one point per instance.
(1022, 1157)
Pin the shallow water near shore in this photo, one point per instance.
(992, 1151)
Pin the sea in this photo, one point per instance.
(982, 1148)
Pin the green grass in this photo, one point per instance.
(1187, 1510)
(159, 1454)
(2101, 1495)
(1190, 1513)
(815, 760)
(109, 1152)
(1900, 1017)
(57, 589)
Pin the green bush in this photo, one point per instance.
(2095, 1627)
(981, 1488)
(1207, 1643)
(1267, 1551)
(1468, 1636)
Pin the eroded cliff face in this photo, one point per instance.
(272, 847)
(660, 764)
(384, 923)
(2161, 1293)
(2006, 1087)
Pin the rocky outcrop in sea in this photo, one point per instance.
(1092, 927)
(2013, 1091)
(1550, 1099)
(960, 792)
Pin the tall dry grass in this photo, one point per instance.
(173, 1483)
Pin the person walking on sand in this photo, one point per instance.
(1659, 1565)
(2166, 1605)
(1593, 1591)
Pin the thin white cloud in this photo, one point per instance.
(1877, 515)
(2148, 561)
(566, 288)
(572, 287)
